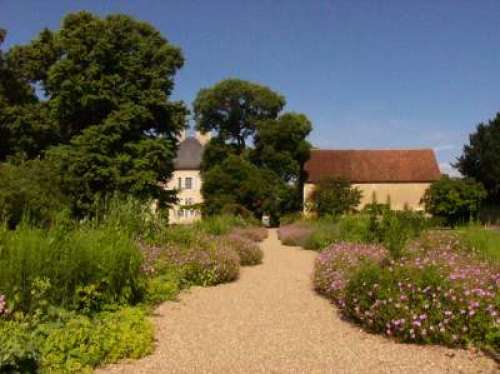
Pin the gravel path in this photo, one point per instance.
(271, 321)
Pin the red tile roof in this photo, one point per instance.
(374, 166)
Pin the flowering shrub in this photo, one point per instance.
(334, 265)
(207, 263)
(294, 234)
(256, 234)
(249, 252)
(437, 293)
(419, 305)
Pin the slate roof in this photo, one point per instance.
(189, 154)
(374, 166)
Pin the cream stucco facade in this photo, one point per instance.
(188, 185)
(401, 195)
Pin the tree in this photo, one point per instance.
(232, 109)
(24, 128)
(243, 114)
(29, 188)
(481, 157)
(333, 196)
(281, 145)
(238, 181)
(107, 83)
(453, 199)
(215, 152)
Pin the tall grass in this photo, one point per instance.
(99, 263)
(221, 225)
(485, 241)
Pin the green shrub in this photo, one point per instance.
(454, 199)
(18, 353)
(68, 342)
(237, 210)
(163, 287)
(77, 342)
(394, 229)
(29, 189)
(288, 219)
(220, 225)
(324, 233)
(353, 228)
(333, 196)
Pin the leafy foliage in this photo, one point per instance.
(82, 269)
(106, 122)
(30, 189)
(233, 108)
(481, 157)
(456, 200)
(70, 343)
(237, 181)
(333, 196)
(239, 113)
(280, 145)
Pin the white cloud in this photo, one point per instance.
(447, 168)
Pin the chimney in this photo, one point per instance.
(203, 138)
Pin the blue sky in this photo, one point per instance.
(368, 73)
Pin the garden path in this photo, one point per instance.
(271, 321)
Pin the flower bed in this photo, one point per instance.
(438, 293)
(248, 251)
(256, 234)
(294, 234)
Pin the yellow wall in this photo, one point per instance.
(401, 194)
(194, 194)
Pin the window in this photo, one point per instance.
(189, 201)
(179, 183)
(188, 183)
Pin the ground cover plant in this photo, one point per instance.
(437, 291)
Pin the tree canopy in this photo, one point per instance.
(106, 83)
(256, 156)
(481, 157)
(232, 109)
(281, 145)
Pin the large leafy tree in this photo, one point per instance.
(232, 109)
(281, 145)
(107, 83)
(236, 181)
(24, 127)
(481, 157)
(249, 130)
